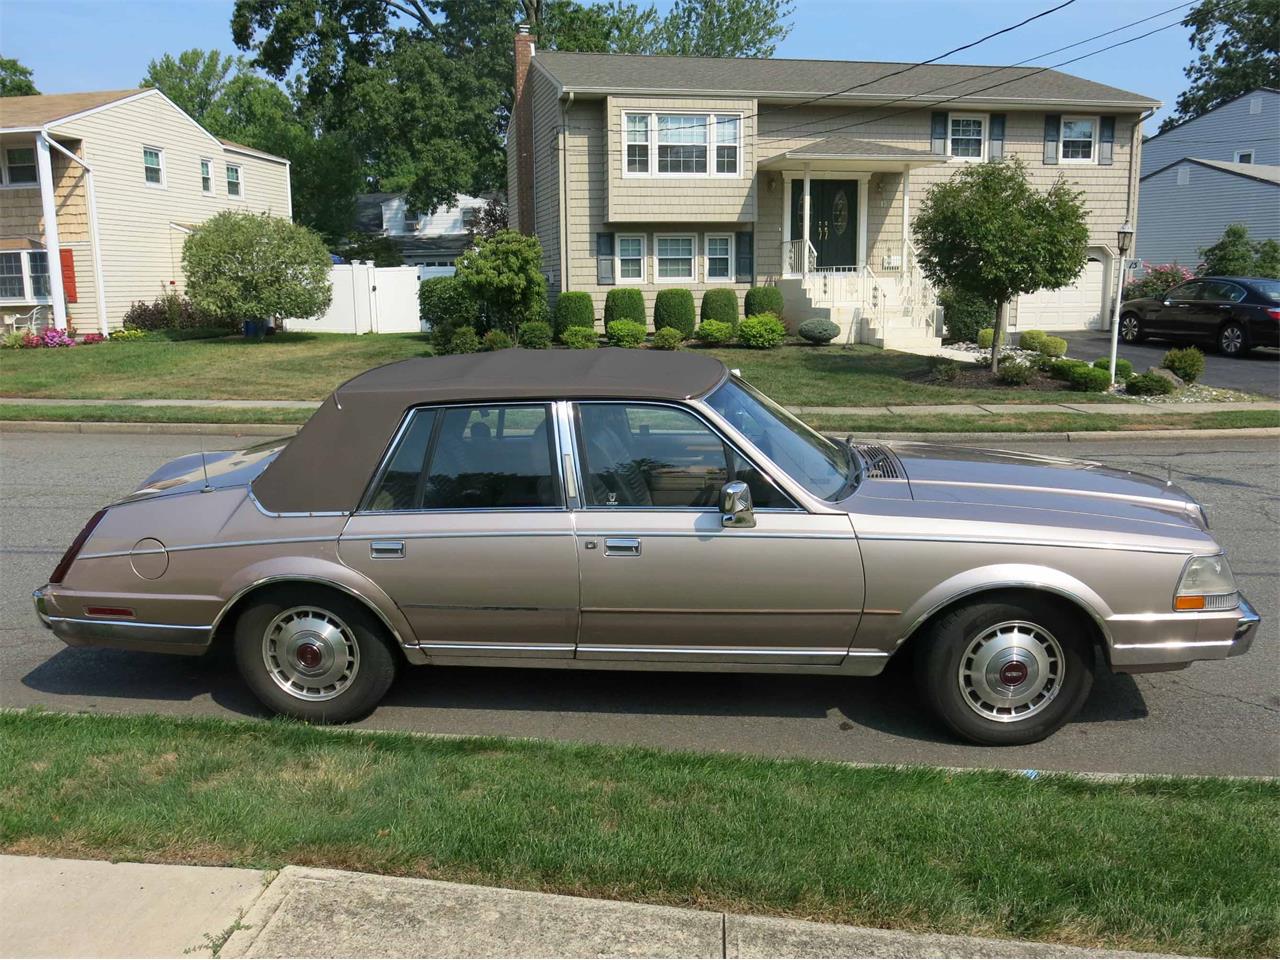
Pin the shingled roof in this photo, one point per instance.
(797, 79)
(36, 111)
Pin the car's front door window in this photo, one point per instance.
(1187, 291)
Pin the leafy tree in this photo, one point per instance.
(493, 218)
(1235, 255)
(724, 28)
(15, 79)
(988, 233)
(249, 266)
(1238, 49)
(504, 276)
(194, 79)
(1266, 262)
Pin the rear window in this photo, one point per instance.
(1269, 289)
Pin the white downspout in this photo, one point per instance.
(95, 246)
(906, 220)
(564, 191)
(53, 250)
(804, 245)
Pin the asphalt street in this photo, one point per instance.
(1258, 372)
(1213, 718)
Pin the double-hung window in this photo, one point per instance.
(675, 258)
(24, 276)
(637, 143)
(631, 258)
(233, 180)
(719, 256)
(968, 136)
(19, 166)
(727, 139)
(206, 176)
(153, 166)
(1078, 137)
(682, 143)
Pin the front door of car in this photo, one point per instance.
(466, 528)
(1175, 314)
(663, 579)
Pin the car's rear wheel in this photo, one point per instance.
(1233, 340)
(1131, 328)
(1008, 671)
(313, 655)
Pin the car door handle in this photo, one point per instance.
(622, 547)
(386, 549)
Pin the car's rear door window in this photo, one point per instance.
(1223, 292)
(484, 457)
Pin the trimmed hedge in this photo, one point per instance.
(1124, 369)
(720, 305)
(668, 338)
(714, 332)
(674, 308)
(1185, 362)
(1053, 347)
(624, 303)
(1148, 385)
(535, 335)
(818, 330)
(575, 309)
(625, 333)
(445, 306)
(761, 331)
(1015, 373)
(761, 300)
(986, 337)
(497, 340)
(1089, 379)
(1032, 339)
(1062, 369)
(580, 338)
(463, 340)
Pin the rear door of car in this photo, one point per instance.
(466, 527)
(1220, 301)
(664, 579)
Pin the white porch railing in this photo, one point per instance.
(919, 298)
(799, 257)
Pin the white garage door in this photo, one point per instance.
(1076, 307)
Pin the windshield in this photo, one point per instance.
(816, 463)
(1268, 288)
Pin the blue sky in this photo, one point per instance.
(105, 44)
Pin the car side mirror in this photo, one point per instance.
(735, 505)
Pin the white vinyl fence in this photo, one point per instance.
(368, 299)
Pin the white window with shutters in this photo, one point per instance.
(1079, 139)
(629, 253)
(967, 135)
(719, 254)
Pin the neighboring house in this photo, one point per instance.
(1205, 174)
(106, 186)
(430, 242)
(702, 172)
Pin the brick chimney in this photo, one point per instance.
(520, 137)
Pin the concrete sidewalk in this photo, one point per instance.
(60, 908)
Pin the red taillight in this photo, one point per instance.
(1273, 313)
(68, 558)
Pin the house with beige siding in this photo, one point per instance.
(707, 173)
(97, 193)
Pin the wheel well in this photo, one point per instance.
(1072, 608)
(226, 623)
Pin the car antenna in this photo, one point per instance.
(204, 468)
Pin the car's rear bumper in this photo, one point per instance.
(1166, 641)
(120, 634)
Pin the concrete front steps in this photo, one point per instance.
(892, 329)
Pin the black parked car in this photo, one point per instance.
(1235, 314)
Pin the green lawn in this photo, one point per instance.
(1163, 865)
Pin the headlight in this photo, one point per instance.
(1206, 584)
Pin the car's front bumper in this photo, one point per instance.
(119, 634)
(1167, 641)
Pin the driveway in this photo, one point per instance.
(1259, 372)
(1213, 718)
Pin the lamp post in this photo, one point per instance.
(1124, 237)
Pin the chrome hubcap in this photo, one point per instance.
(310, 653)
(1232, 340)
(1129, 328)
(1012, 671)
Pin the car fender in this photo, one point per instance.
(328, 573)
(994, 577)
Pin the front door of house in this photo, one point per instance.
(833, 220)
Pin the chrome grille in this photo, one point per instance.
(881, 464)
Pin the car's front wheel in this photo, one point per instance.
(1233, 340)
(1131, 328)
(1007, 671)
(313, 655)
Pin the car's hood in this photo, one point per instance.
(1001, 478)
(216, 470)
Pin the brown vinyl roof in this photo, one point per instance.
(46, 108)
(327, 466)
(793, 79)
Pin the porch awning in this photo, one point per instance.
(851, 153)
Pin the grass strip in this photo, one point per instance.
(1185, 865)
(124, 413)
(1043, 422)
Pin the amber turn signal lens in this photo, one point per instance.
(1188, 603)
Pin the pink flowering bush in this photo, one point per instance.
(1156, 279)
(53, 337)
(31, 341)
(92, 338)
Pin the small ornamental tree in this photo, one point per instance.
(251, 266)
(1231, 256)
(988, 233)
(504, 275)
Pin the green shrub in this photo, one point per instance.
(1148, 385)
(762, 331)
(444, 305)
(668, 338)
(123, 336)
(964, 315)
(624, 303)
(944, 369)
(720, 304)
(1015, 373)
(625, 333)
(674, 308)
(761, 300)
(580, 338)
(1032, 339)
(464, 340)
(1089, 379)
(497, 340)
(535, 335)
(714, 332)
(1124, 369)
(1186, 362)
(1053, 347)
(575, 309)
(1061, 369)
(818, 330)
(503, 273)
(986, 337)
